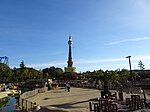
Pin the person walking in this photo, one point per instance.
(65, 86)
(68, 87)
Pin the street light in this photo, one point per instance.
(130, 69)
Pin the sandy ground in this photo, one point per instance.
(74, 101)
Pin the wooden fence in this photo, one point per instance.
(26, 106)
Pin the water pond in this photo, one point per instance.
(10, 106)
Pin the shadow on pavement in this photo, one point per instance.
(67, 105)
(48, 110)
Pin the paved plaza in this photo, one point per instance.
(74, 101)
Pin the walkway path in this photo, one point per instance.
(4, 94)
(74, 101)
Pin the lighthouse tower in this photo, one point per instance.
(70, 67)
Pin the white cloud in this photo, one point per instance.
(91, 62)
(141, 58)
(128, 40)
(100, 60)
(43, 65)
(134, 58)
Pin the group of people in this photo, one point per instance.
(67, 87)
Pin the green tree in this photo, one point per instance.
(22, 65)
(52, 72)
(105, 77)
(33, 73)
(135, 76)
(5, 73)
(45, 73)
(141, 65)
(58, 72)
(14, 74)
(142, 72)
(124, 74)
(23, 71)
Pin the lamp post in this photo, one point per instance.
(130, 69)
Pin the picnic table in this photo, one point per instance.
(104, 105)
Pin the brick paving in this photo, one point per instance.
(74, 101)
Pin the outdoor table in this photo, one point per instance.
(114, 107)
(104, 104)
(96, 106)
(135, 101)
(112, 97)
(142, 103)
(128, 102)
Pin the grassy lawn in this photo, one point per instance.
(4, 101)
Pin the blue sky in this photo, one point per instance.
(104, 32)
